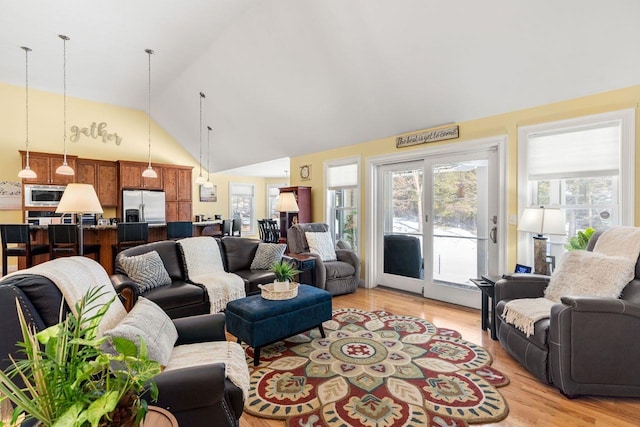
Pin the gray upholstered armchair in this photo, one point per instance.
(338, 277)
(588, 345)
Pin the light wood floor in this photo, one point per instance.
(530, 402)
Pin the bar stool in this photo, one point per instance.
(179, 230)
(130, 234)
(64, 241)
(236, 227)
(18, 234)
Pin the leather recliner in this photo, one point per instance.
(197, 395)
(588, 345)
(338, 277)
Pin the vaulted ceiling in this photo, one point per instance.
(290, 77)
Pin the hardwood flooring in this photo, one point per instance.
(531, 403)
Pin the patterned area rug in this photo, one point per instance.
(376, 369)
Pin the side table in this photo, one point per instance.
(305, 263)
(486, 284)
(159, 417)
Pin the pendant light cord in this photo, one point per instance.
(150, 52)
(202, 96)
(26, 55)
(208, 153)
(64, 93)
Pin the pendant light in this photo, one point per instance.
(27, 172)
(208, 184)
(64, 169)
(149, 172)
(200, 179)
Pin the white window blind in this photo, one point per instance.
(242, 190)
(591, 151)
(342, 176)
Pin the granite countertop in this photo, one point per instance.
(93, 227)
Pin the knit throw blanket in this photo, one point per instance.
(203, 263)
(601, 273)
(74, 276)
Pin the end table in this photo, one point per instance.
(305, 263)
(486, 284)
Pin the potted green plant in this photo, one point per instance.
(580, 240)
(284, 271)
(67, 379)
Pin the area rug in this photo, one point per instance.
(376, 369)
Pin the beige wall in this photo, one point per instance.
(503, 124)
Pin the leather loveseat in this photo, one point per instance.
(182, 297)
(588, 345)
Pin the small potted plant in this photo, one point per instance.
(580, 241)
(284, 271)
(67, 379)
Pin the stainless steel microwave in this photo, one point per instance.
(43, 195)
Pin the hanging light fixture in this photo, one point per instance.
(209, 183)
(64, 169)
(200, 179)
(149, 172)
(27, 172)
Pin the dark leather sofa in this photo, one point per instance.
(588, 346)
(183, 298)
(195, 395)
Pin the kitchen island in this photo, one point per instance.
(106, 236)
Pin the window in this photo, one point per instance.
(272, 199)
(243, 205)
(343, 200)
(583, 166)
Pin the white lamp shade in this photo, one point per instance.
(149, 173)
(287, 203)
(208, 184)
(64, 169)
(79, 198)
(200, 180)
(27, 172)
(542, 221)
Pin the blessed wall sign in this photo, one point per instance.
(96, 131)
(432, 135)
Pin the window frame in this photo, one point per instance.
(252, 217)
(330, 209)
(626, 166)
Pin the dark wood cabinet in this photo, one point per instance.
(303, 198)
(131, 176)
(177, 188)
(103, 175)
(45, 165)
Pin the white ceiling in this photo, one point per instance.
(289, 77)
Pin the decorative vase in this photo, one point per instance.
(280, 286)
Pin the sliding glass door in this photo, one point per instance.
(438, 224)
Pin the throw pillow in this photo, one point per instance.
(147, 321)
(146, 270)
(321, 243)
(585, 273)
(267, 254)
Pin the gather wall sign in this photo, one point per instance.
(97, 131)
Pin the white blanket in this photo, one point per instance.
(74, 276)
(601, 273)
(203, 264)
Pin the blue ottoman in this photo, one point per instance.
(259, 322)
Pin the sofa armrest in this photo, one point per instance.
(126, 289)
(592, 346)
(201, 328)
(181, 390)
(601, 305)
(515, 286)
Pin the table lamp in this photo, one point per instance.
(541, 221)
(79, 199)
(287, 203)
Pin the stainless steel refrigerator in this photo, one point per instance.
(150, 206)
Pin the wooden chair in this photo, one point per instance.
(18, 234)
(236, 227)
(64, 241)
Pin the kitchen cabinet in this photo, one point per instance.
(303, 198)
(45, 165)
(103, 175)
(131, 176)
(177, 187)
